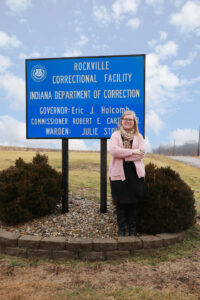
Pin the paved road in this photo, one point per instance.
(192, 161)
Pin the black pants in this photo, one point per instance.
(126, 215)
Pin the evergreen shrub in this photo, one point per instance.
(170, 206)
(29, 190)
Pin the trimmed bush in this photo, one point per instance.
(170, 206)
(29, 190)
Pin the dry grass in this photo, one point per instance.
(189, 174)
(138, 293)
(168, 274)
(125, 279)
(84, 170)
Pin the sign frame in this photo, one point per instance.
(77, 58)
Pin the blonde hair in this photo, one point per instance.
(135, 126)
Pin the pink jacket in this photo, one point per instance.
(116, 170)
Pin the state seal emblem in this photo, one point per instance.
(38, 73)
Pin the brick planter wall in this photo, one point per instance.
(82, 248)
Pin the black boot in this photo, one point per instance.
(121, 220)
(132, 220)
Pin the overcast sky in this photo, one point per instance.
(168, 32)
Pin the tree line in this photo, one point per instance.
(189, 148)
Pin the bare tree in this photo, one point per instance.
(189, 148)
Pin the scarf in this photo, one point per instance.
(127, 136)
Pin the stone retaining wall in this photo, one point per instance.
(83, 248)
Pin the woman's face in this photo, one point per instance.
(128, 122)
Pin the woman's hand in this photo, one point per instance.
(138, 151)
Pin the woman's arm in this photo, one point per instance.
(139, 153)
(116, 150)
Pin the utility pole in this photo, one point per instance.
(198, 151)
(173, 153)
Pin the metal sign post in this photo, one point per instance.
(103, 181)
(65, 176)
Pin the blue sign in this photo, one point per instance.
(83, 97)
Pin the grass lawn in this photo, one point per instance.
(84, 170)
(168, 274)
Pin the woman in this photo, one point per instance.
(126, 171)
